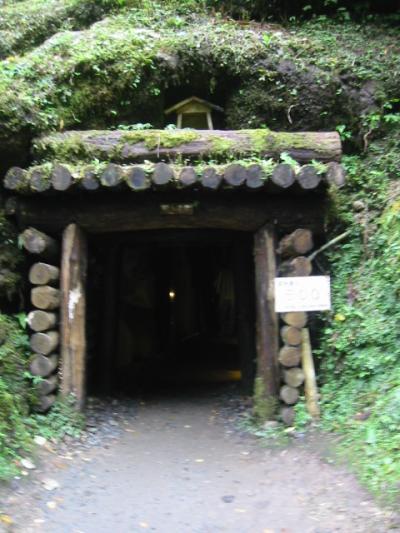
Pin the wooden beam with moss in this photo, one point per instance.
(154, 145)
(266, 175)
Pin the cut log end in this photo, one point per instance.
(89, 181)
(39, 181)
(283, 176)
(287, 415)
(297, 243)
(187, 177)
(44, 274)
(15, 178)
(43, 366)
(235, 175)
(293, 377)
(289, 395)
(210, 179)
(111, 176)
(44, 343)
(41, 320)
(308, 177)
(61, 178)
(162, 174)
(45, 298)
(38, 243)
(299, 266)
(336, 174)
(255, 177)
(296, 319)
(290, 356)
(137, 179)
(291, 335)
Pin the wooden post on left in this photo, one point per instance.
(73, 307)
(267, 380)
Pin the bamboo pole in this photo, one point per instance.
(310, 381)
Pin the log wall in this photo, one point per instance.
(295, 355)
(44, 276)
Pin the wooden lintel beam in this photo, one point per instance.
(208, 212)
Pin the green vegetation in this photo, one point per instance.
(18, 426)
(15, 394)
(359, 345)
(28, 23)
(10, 261)
(63, 420)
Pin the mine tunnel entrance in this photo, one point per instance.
(168, 309)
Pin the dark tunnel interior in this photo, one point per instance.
(169, 309)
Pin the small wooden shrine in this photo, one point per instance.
(194, 113)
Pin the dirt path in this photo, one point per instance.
(177, 466)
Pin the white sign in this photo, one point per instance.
(311, 293)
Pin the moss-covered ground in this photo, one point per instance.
(69, 71)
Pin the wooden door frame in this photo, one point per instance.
(73, 308)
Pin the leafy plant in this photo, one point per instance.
(288, 160)
(63, 420)
(344, 133)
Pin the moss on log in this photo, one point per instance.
(122, 146)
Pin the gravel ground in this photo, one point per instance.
(178, 464)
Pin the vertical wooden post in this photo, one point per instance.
(310, 381)
(73, 307)
(267, 331)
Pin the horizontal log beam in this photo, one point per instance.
(155, 145)
(228, 212)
